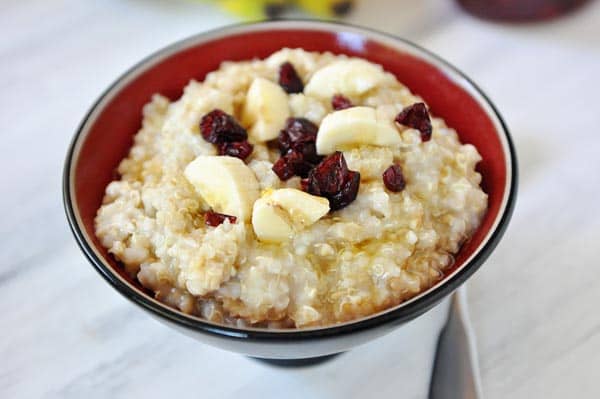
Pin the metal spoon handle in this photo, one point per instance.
(456, 369)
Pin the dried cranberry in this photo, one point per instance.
(304, 184)
(347, 193)
(394, 179)
(220, 127)
(296, 131)
(283, 169)
(300, 135)
(214, 219)
(309, 153)
(292, 164)
(416, 117)
(332, 179)
(289, 79)
(339, 102)
(328, 176)
(302, 168)
(298, 149)
(239, 149)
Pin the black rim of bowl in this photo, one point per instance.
(397, 315)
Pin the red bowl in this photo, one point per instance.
(106, 134)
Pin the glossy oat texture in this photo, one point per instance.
(106, 134)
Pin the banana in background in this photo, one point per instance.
(268, 9)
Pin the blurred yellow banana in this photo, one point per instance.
(254, 9)
(269, 9)
(326, 8)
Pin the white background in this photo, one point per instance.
(66, 333)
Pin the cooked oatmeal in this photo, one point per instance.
(255, 237)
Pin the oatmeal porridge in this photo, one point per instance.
(305, 189)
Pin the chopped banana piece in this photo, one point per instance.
(353, 127)
(278, 212)
(349, 77)
(225, 183)
(265, 110)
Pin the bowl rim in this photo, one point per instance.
(398, 314)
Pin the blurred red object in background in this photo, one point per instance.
(520, 10)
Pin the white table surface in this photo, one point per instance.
(66, 333)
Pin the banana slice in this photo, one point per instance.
(265, 110)
(270, 223)
(278, 212)
(349, 77)
(355, 126)
(225, 183)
